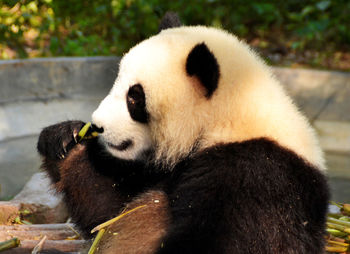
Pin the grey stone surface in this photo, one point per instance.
(338, 162)
(38, 191)
(20, 125)
(322, 95)
(43, 78)
(338, 108)
(334, 136)
(24, 118)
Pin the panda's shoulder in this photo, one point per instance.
(254, 159)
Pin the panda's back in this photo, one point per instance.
(255, 192)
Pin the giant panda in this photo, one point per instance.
(196, 128)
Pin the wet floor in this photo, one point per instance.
(19, 160)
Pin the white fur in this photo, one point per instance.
(249, 103)
(114, 117)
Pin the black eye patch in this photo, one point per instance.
(136, 102)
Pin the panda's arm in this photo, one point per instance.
(253, 197)
(95, 185)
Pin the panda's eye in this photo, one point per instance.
(131, 100)
(136, 102)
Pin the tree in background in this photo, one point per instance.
(33, 28)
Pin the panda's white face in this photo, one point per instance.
(153, 105)
(123, 116)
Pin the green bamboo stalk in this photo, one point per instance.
(111, 221)
(336, 249)
(338, 221)
(339, 227)
(9, 244)
(338, 243)
(334, 215)
(335, 232)
(98, 237)
(344, 218)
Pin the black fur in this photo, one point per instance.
(250, 197)
(124, 145)
(202, 64)
(170, 20)
(136, 102)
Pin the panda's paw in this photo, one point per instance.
(57, 140)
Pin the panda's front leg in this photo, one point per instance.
(91, 198)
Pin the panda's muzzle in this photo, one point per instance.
(96, 129)
(122, 146)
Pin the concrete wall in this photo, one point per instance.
(37, 92)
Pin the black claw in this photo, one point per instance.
(59, 156)
(75, 134)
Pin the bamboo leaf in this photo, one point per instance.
(107, 223)
(96, 241)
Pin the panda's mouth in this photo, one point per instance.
(122, 146)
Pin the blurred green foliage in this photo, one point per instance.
(31, 28)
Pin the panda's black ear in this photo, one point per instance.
(169, 20)
(202, 64)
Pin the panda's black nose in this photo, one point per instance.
(97, 129)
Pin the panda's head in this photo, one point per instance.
(189, 88)
(159, 98)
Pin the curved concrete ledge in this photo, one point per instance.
(45, 78)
